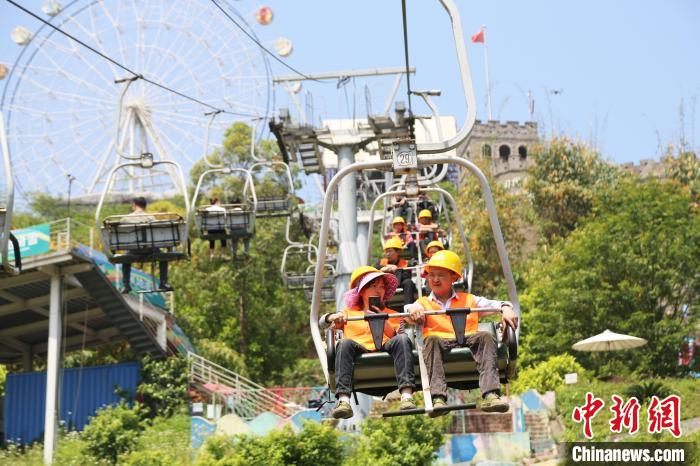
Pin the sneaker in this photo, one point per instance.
(438, 402)
(407, 403)
(126, 289)
(493, 403)
(165, 287)
(342, 410)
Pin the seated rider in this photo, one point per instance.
(427, 230)
(400, 230)
(444, 268)
(392, 263)
(367, 282)
(433, 247)
(424, 203)
(402, 208)
(216, 207)
(139, 215)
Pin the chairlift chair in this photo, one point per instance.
(275, 205)
(133, 239)
(233, 221)
(407, 159)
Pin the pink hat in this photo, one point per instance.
(352, 297)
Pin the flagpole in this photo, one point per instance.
(488, 80)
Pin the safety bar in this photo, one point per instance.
(403, 315)
(205, 156)
(228, 171)
(270, 164)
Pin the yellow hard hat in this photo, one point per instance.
(398, 220)
(359, 272)
(425, 213)
(393, 242)
(434, 244)
(445, 260)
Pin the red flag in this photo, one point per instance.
(479, 36)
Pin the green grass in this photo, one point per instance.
(571, 396)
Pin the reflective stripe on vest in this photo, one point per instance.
(441, 325)
(359, 331)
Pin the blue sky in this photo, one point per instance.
(623, 68)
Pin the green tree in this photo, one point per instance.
(633, 268)
(684, 169)
(399, 441)
(562, 183)
(514, 215)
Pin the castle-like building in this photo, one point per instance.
(508, 145)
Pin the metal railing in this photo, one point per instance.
(68, 232)
(241, 395)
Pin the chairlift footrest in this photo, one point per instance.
(409, 412)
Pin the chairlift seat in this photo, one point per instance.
(304, 281)
(274, 206)
(327, 294)
(374, 372)
(234, 221)
(142, 241)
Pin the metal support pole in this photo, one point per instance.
(348, 254)
(53, 364)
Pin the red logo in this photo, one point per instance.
(626, 415)
(587, 412)
(665, 415)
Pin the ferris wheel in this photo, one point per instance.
(70, 114)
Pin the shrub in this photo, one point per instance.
(402, 441)
(315, 445)
(645, 390)
(163, 386)
(547, 375)
(112, 432)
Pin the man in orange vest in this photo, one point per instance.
(367, 282)
(392, 263)
(444, 268)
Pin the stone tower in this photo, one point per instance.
(509, 147)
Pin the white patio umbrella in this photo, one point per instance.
(609, 341)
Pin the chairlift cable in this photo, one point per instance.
(125, 68)
(408, 74)
(257, 42)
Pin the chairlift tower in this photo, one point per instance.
(302, 142)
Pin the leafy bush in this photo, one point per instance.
(112, 432)
(315, 445)
(163, 386)
(402, 441)
(547, 375)
(166, 441)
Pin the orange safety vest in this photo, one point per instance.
(441, 325)
(401, 264)
(359, 331)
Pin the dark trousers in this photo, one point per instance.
(483, 347)
(126, 273)
(409, 291)
(399, 347)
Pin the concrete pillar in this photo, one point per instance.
(27, 360)
(348, 255)
(362, 239)
(53, 365)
